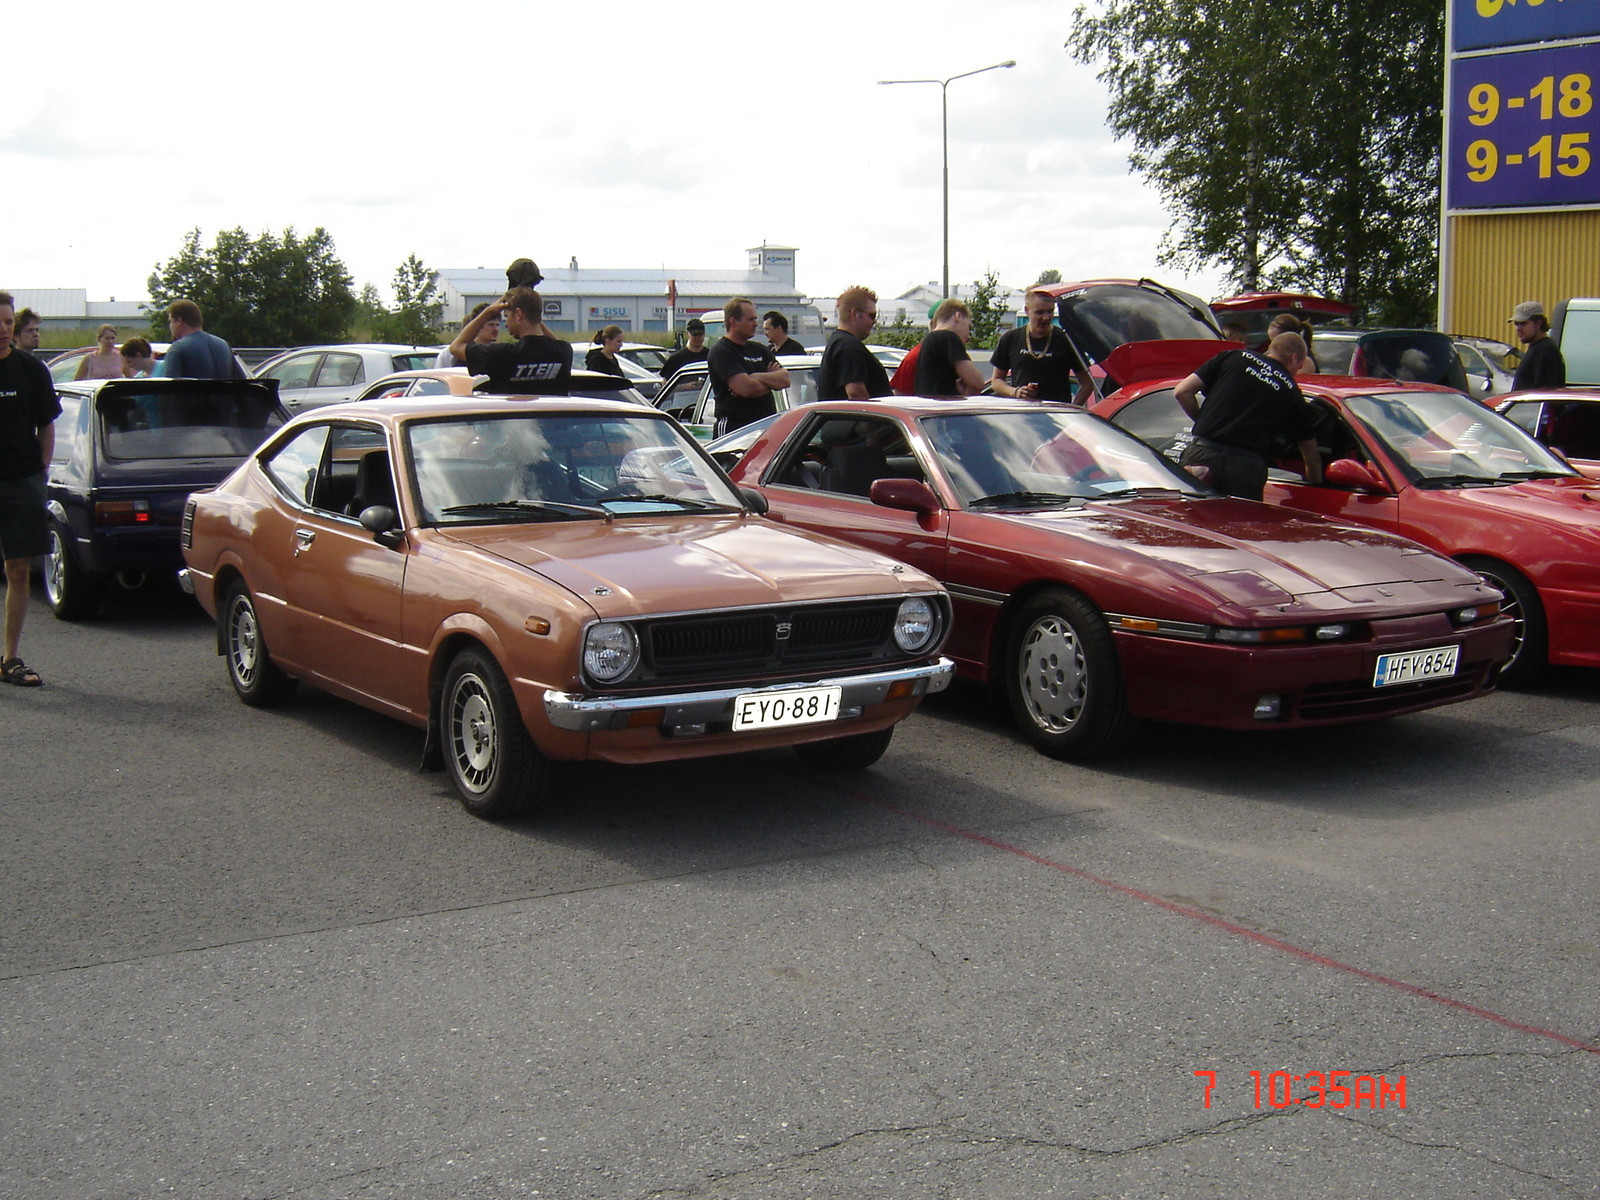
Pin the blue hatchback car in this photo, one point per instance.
(128, 454)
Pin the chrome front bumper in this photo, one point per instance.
(693, 712)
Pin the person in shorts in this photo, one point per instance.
(28, 409)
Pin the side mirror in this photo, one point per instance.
(383, 523)
(1353, 476)
(755, 501)
(909, 495)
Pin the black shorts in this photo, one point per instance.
(24, 527)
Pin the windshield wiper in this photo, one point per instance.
(1124, 493)
(663, 498)
(1003, 498)
(1540, 474)
(551, 507)
(1459, 480)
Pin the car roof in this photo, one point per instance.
(393, 411)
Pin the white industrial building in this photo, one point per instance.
(579, 299)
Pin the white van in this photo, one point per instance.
(1576, 330)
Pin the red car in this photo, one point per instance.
(1094, 583)
(1437, 467)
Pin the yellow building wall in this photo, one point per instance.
(1500, 259)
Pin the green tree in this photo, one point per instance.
(1298, 147)
(1047, 276)
(901, 332)
(989, 311)
(418, 304)
(271, 290)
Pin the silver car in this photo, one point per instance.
(311, 376)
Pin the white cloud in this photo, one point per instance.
(637, 135)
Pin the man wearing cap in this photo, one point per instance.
(695, 351)
(1542, 365)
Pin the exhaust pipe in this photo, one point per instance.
(131, 578)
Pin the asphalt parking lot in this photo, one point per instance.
(256, 954)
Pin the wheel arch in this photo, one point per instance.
(1000, 633)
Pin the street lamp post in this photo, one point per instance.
(944, 116)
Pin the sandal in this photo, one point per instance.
(14, 670)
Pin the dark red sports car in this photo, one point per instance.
(1095, 583)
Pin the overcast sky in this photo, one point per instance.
(630, 134)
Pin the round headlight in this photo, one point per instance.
(610, 651)
(915, 625)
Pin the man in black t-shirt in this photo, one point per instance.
(1542, 365)
(743, 371)
(776, 326)
(944, 368)
(28, 410)
(695, 351)
(1250, 399)
(850, 371)
(536, 364)
(1034, 361)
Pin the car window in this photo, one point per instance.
(69, 426)
(557, 466)
(678, 398)
(187, 423)
(296, 372)
(340, 370)
(415, 360)
(1526, 414)
(1156, 418)
(429, 386)
(845, 455)
(297, 465)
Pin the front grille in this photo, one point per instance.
(1358, 698)
(767, 641)
(733, 638)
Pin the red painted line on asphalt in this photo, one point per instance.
(1184, 910)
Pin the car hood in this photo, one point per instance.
(1255, 556)
(1570, 500)
(686, 564)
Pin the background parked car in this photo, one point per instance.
(309, 376)
(1568, 420)
(1408, 355)
(128, 453)
(1576, 330)
(455, 381)
(687, 395)
(1487, 364)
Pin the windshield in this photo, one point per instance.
(187, 423)
(1033, 459)
(1444, 439)
(528, 467)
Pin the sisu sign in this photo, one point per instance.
(1524, 127)
(1486, 24)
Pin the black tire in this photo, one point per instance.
(72, 593)
(854, 753)
(255, 677)
(1530, 652)
(1062, 679)
(491, 759)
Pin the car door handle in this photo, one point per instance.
(303, 539)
